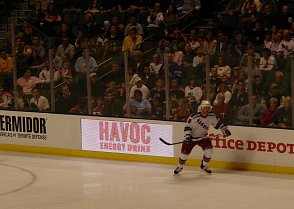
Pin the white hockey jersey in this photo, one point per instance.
(197, 126)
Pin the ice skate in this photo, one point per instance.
(178, 170)
(205, 168)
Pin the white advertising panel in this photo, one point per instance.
(126, 137)
(39, 129)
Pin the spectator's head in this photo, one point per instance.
(157, 6)
(221, 61)
(109, 97)
(266, 53)
(36, 41)
(147, 69)
(213, 72)
(156, 58)
(223, 87)
(286, 35)
(274, 89)
(288, 103)
(93, 77)
(159, 83)
(220, 98)
(267, 9)
(27, 72)
(240, 86)
(138, 95)
(65, 91)
(221, 36)
(4, 55)
(257, 80)
(278, 77)
(65, 40)
(114, 67)
(253, 8)
(285, 9)
(257, 26)
(138, 82)
(133, 32)
(133, 20)
(36, 93)
(64, 28)
(273, 103)
(172, 9)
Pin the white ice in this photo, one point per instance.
(36, 181)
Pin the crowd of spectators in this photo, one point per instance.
(83, 37)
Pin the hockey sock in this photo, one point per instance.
(182, 160)
(207, 156)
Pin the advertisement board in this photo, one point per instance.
(126, 137)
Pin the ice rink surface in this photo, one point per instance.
(36, 181)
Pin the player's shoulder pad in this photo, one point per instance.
(195, 115)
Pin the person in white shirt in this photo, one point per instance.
(38, 103)
(286, 47)
(139, 85)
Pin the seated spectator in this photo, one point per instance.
(156, 67)
(258, 88)
(176, 36)
(44, 74)
(67, 102)
(257, 34)
(139, 85)
(5, 98)
(215, 81)
(189, 55)
(193, 39)
(237, 49)
(158, 90)
(239, 97)
(158, 109)
(6, 67)
(64, 31)
(223, 68)
(268, 16)
(38, 103)
(284, 115)
(247, 6)
(243, 117)
(139, 107)
(209, 44)
(112, 105)
(65, 73)
(285, 18)
(148, 78)
(36, 45)
(132, 42)
(182, 111)
(170, 18)
(269, 115)
(155, 17)
(231, 15)
(35, 13)
(178, 55)
(175, 71)
(193, 92)
(65, 48)
(176, 91)
(283, 83)
(267, 65)
(132, 76)
(99, 107)
(22, 101)
(52, 20)
(223, 90)
(28, 82)
(272, 92)
(286, 47)
(134, 23)
(199, 58)
(80, 65)
(221, 109)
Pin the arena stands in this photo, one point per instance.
(90, 55)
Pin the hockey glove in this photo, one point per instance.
(226, 132)
(188, 139)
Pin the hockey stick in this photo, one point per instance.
(167, 143)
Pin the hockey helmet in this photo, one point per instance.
(203, 104)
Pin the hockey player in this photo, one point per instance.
(196, 133)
